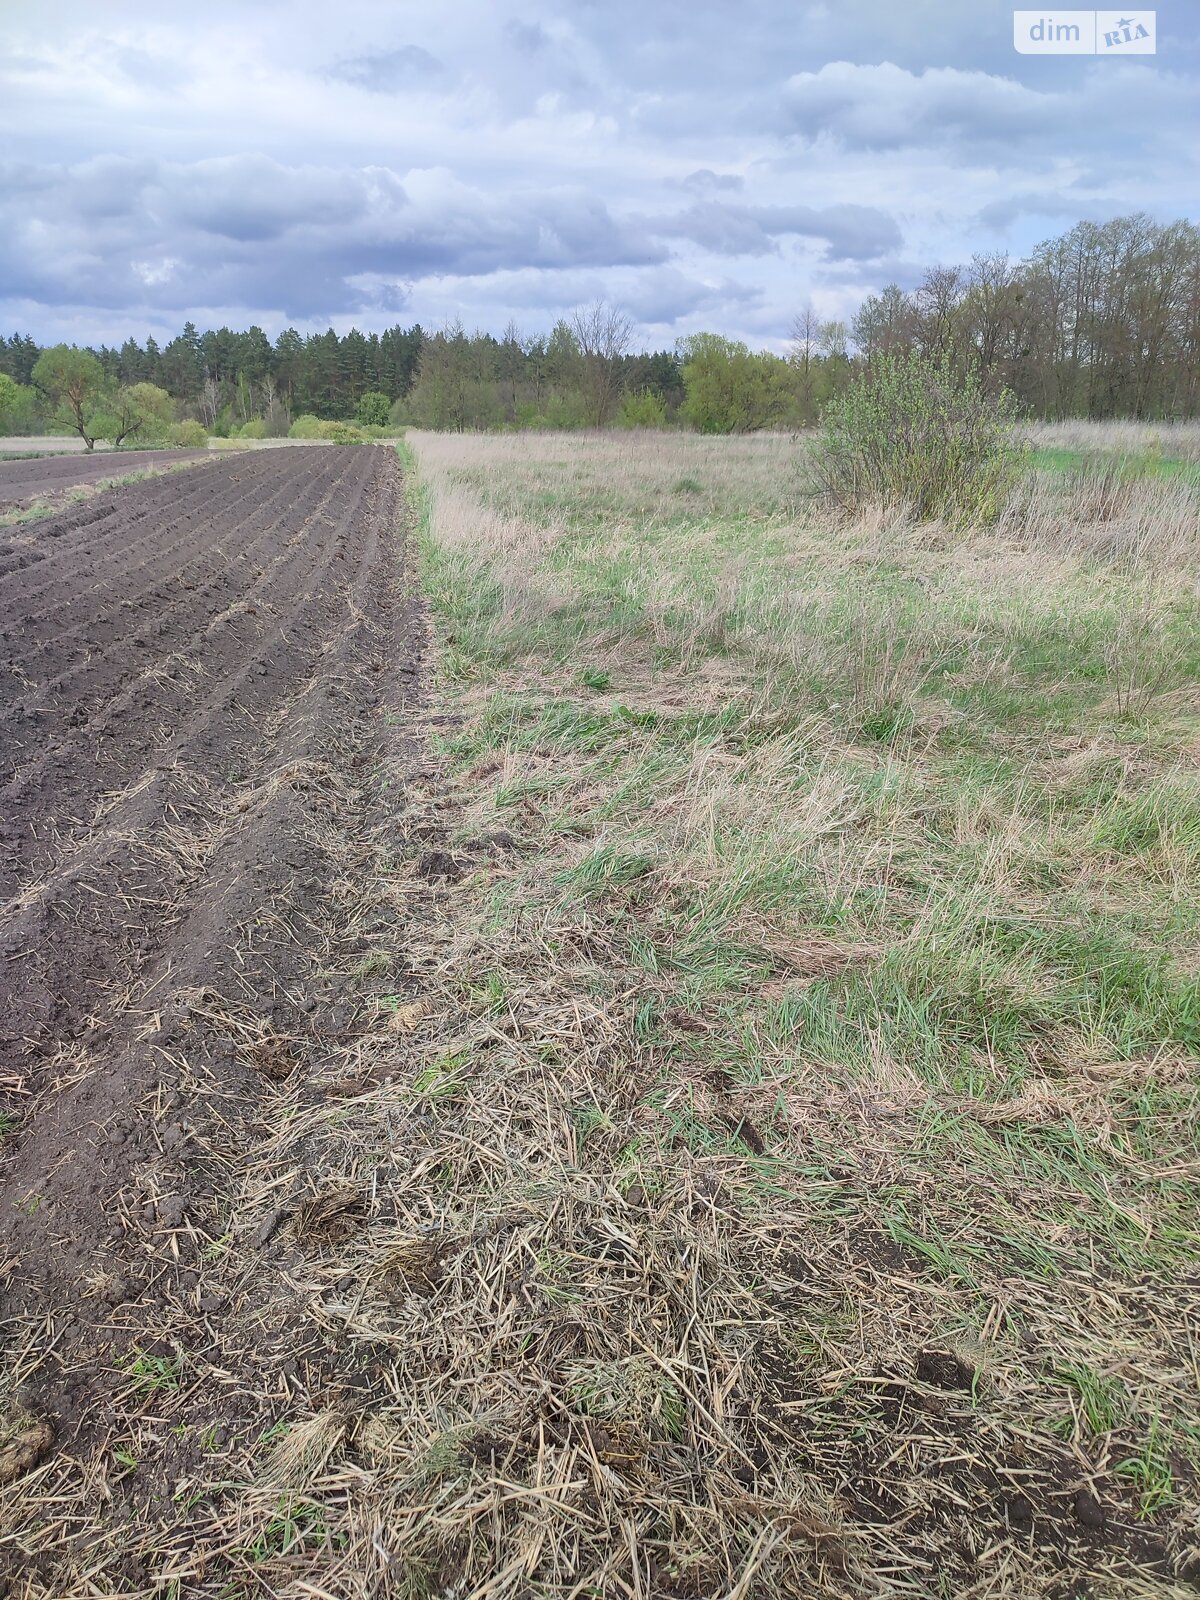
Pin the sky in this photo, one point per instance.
(704, 166)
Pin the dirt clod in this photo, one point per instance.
(944, 1370)
(22, 1447)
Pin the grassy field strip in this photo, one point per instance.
(827, 1033)
(1175, 441)
(1059, 458)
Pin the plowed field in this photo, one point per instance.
(192, 670)
(22, 481)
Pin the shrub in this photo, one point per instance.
(190, 435)
(257, 429)
(374, 409)
(913, 433)
(306, 427)
(342, 433)
(645, 409)
(562, 411)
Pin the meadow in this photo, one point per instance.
(829, 1027)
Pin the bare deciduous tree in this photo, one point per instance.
(603, 334)
(937, 300)
(275, 415)
(806, 333)
(834, 340)
(209, 402)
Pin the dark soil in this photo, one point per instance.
(191, 674)
(23, 481)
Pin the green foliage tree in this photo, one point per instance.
(149, 411)
(728, 388)
(142, 412)
(9, 391)
(911, 432)
(74, 384)
(182, 364)
(374, 409)
(22, 409)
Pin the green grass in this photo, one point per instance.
(152, 1372)
(876, 853)
(972, 1006)
(1059, 459)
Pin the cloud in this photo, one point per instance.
(246, 229)
(530, 38)
(849, 232)
(250, 198)
(390, 71)
(668, 297)
(887, 107)
(972, 113)
(705, 181)
(517, 157)
(999, 215)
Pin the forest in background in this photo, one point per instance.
(1101, 322)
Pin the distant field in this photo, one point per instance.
(45, 478)
(53, 444)
(1061, 459)
(1172, 440)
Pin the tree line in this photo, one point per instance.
(1103, 321)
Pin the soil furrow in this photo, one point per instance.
(254, 683)
(88, 667)
(97, 742)
(22, 480)
(191, 894)
(130, 571)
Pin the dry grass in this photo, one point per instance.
(804, 1133)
